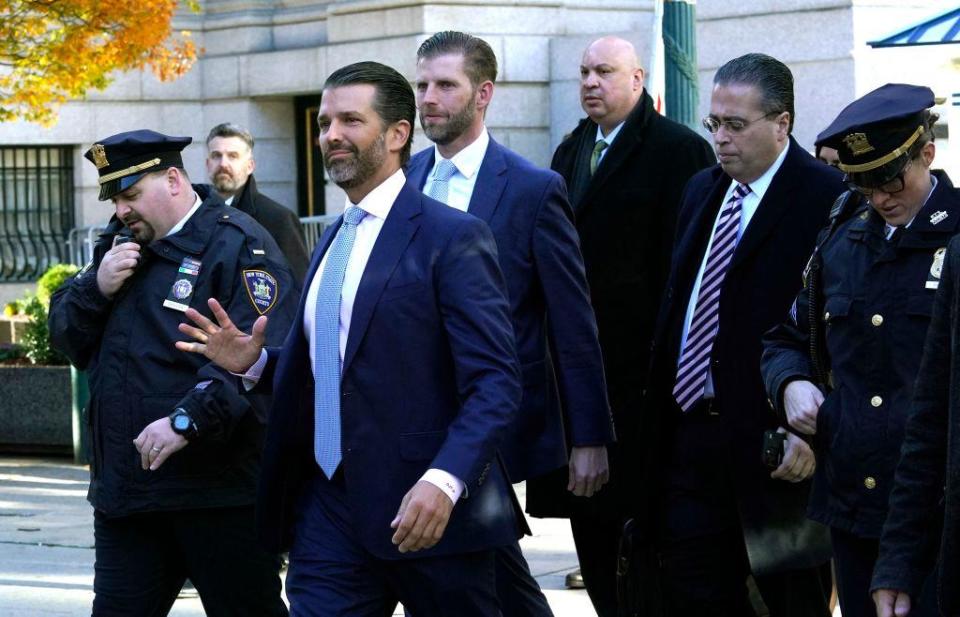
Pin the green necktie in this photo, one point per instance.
(599, 147)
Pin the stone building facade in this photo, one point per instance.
(265, 62)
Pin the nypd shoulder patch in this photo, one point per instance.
(262, 289)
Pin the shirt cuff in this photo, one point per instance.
(252, 377)
(451, 485)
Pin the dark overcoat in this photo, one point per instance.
(760, 285)
(282, 224)
(923, 525)
(625, 215)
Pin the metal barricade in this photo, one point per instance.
(80, 240)
(80, 243)
(313, 227)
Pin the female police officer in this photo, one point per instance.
(858, 327)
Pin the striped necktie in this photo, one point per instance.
(695, 356)
(440, 188)
(327, 362)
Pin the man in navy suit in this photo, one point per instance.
(385, 485)
(564, 395)
(746, 229)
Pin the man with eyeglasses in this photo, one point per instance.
(871, 283)
(747, 227)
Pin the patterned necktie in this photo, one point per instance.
(327, 362)
(441, 180)
(598, 148)
(695, 356)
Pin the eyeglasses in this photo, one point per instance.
(890, 188)
(713, 124)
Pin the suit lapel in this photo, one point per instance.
(419, 167)
(491, 180)
(693, 246)
(397, 231)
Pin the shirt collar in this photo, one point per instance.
(613, 134)
(379, 201)
(890, 228)
(196, 205)
(468, 160)
(759, 186)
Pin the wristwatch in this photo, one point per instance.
(183, 424)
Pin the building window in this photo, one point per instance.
(36, 209)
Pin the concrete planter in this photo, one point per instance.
(36, 409)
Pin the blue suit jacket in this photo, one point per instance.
(430, 380)
(526, 207)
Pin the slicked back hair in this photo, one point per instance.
(479, 61)
(229, 129)
(393, 99)
(768, 75)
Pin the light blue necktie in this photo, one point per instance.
(440, 188)
(327, 363)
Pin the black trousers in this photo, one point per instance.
(707, 575)
(142, 561)
(703, 556)
(517, 590)
(855, 558)
(596, 535)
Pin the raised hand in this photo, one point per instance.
(222, 342)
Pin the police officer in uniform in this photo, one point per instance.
(864, 312)
(175, 441)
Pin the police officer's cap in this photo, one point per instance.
(124, 158)
(873, 134)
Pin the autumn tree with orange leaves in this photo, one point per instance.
(55, 50)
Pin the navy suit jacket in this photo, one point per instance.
(430, 380)
(527, 210)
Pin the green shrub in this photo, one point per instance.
(36, 336)
(52, 279)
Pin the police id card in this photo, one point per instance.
(182, 290)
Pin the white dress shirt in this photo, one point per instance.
(758, 188)
(197, 202)
(467, 162)
(377, 205)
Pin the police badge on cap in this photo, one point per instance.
(873, 135)
(124, 158)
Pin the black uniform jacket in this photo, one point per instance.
(137, 376)
(875, 308)
(763, 278)
(281, 222)
(625, 215)
(923, 524)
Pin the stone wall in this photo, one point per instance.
(260, 54)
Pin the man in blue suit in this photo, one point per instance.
(564, 394)
(392, 390)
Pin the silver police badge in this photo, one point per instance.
(936, 268)
(182, 289)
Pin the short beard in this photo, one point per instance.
(225, 184)
(350, 173)
(455, 126)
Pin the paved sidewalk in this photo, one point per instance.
(46, 546)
